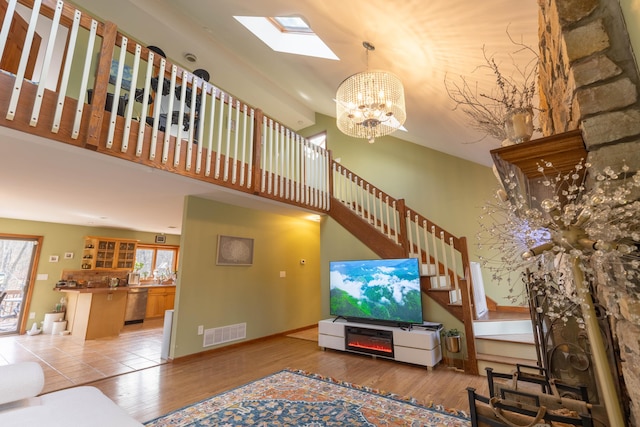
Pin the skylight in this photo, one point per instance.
(289, 34)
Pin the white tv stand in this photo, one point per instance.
(418, 346)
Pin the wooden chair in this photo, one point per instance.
(528, 411)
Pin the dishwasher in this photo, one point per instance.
(136, 305)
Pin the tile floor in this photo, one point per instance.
(67, 362)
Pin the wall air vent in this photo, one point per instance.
(224, 334)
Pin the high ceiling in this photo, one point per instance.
(423, 42)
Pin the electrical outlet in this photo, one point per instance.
(283, 274)
(32, 315)
(200, 329)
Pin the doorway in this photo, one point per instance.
(18, 258)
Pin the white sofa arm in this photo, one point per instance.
(20, 381)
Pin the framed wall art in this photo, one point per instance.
(234, 250)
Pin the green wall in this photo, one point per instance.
(59, 239)
(214, 296)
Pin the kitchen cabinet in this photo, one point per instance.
(108, 253)
(95, 312)
(159, 299)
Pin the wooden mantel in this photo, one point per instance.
(521, 162)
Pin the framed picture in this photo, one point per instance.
(161, 239)
(68, 255)
(53, 258)
(234, 250)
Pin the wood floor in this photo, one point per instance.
(151, 392)
(129, 370)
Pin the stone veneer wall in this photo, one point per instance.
(589, 81)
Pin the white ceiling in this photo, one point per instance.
(422, 42)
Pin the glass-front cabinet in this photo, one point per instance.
(108, 253)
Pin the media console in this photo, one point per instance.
(417, 346)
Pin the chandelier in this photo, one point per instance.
(370, 104)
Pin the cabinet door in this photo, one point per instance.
(155, 301)
(170, 299)
(106, 254)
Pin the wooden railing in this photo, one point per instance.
(126, 100)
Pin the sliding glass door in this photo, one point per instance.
(18, 257)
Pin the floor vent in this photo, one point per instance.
(224, 334)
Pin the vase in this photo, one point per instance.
(452, 343)
(519, 125)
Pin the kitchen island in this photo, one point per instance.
(95, 312)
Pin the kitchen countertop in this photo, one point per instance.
(106, 289)
(93, 290)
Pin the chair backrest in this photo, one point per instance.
(3, 294)
(496, 412)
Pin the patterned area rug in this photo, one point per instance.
(297, 398)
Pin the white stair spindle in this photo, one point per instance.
(227, 149)
(24, 59)
(115, 102)
(249, 143)
(44, 72)
(216, 168)
(245, 143)
(145, 106)
(426, 245)
(263, 159)
(454, 265)
(85, 78)
(409, 233)
(234, 173)
(212, 118)
(68, 60)
(396, 214)
(129, 109)
(444, 259)
(167, 131)
(417, 231)
(435, 255)
(156, 111)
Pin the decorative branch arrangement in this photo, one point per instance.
(487, 112)
(598, 227)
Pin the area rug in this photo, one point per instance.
(298, 398)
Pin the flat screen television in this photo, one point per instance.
(383, 291)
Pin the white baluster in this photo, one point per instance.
(71, 46)
(129, 109)
(212, 117)
(234, 159)
(24, 59)
(116, 93)
(44, 72)
(169, 123)
(396, 214)
(85, 78)
(409, 233)
(426, 245)
(435, 256)
(145, 106)
(444, 259)
(216, 170)
(454, 265)
(156, 111)
(227, 150)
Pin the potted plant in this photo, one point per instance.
(452, 340)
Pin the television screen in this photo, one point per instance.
(384, 290)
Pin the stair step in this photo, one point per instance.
(513, 347)
(502, 327)
(428, 270)
(499, 363)
(518, 338)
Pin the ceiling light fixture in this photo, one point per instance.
(370, 104)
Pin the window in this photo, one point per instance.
(156, 263)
